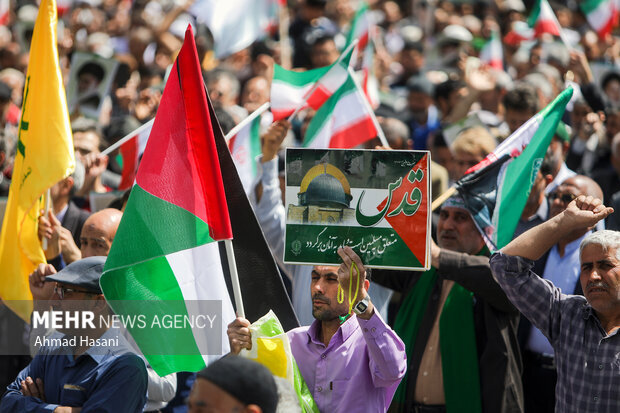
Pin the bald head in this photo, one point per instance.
(573, 186)
(98, 232)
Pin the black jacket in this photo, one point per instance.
(495, 321)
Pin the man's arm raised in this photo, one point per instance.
(583, 212)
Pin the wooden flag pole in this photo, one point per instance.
(371, 112)
(247, 120)
(234, 276)
(442, 198)
(45, 213)
(316, 84)
(128, 137)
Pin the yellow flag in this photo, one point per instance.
(44, 156)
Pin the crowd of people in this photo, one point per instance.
(530, 328)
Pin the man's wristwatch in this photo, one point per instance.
(361, 306)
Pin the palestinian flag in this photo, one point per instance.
(496, 190)
(361, 27)
(131, 152)
(602, 15)
(291, 91)
(164, 249)
(492, 52)
(342, 122)
(543, 20)
(245, 146)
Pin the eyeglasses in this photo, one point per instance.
(564, 198)
(61, 291)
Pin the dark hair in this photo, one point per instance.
(445, 89)
(522, 98)
(323, 38)
(92, 68)
(417, 46)
(608, 78)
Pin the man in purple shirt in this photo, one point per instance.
(350, 362)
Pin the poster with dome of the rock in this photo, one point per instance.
(377, 202)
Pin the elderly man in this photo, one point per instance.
(90, 378)
(582, 331)
(458, 326)
(233, 384)
(560, 265)
(350, 362)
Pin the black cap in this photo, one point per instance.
(419, 83)
(245, 380)
(83, 273)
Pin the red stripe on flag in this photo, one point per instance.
(180, 163)
(318, 97)
(546, 26)
(129, 152)
(359, 132)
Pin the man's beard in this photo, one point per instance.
(324, 313)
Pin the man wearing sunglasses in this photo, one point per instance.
(76, 376)
(560, 266)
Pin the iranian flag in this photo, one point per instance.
(292, 91)
(164, 260)
(602, 15)
(342, 122)
(245, 146)
(492, 53)
(496, 189)
(5, 9)
(131, 152)
(369, 82)
(543, 20)
(361, 27)
(519, 33)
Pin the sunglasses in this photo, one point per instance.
(61, 291)
(564, 198)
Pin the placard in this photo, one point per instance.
(374, 201)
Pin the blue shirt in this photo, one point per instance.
(114, 382)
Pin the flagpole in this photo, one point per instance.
(316, 84)
(380, 133)
(47, 209)
(234, 276)
(247, 120)
(442, 198)
(131, 135)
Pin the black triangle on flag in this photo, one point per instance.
(262, 287)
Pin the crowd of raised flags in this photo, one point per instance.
(166, 247)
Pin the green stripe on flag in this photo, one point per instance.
(324, 113)
(255, 148)
(521, 170)
(147, 232)
(299, 79)
(154, 280)
(589, 6)
(356, 21)
(533, 17)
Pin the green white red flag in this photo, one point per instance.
(543, 20)
(602, 15)
(361, 27)
(131, 152)
(244, 147)
(496, 189)
(291, 91)
(492, 53)
(164, 248)
(342, 122)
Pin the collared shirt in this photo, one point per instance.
(587, 358)
(563, 174)
(563, 272)
(111, 381)
(271, 216)
(358, 371)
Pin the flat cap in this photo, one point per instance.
(83, 273)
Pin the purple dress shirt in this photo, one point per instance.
(358, 371)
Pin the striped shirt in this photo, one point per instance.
(587, 358)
